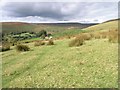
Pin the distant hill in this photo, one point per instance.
(111, 20)
(8, 27)
(107, 25)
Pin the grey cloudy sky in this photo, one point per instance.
(58, 11)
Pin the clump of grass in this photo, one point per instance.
(92, 34)
(39, 43)
(78, 41)
(50, 42)
(113, 36)
(86, 36)
(104, 34)
(27, 42)
(68, 37)
(97, 35)
(21, 47)
(5, 47)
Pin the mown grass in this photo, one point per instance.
(92, 65)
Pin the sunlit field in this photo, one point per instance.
(59, 45)
(93, 64)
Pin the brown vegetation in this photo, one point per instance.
(113, 36)
(5, 46)
(21, 47)
(39, 43)
(86, 36)
(50, 42)
(78, 41)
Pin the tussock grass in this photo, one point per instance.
(86, 36)
(50, 42)
(21, 47)
(78, 41)
(97, 35)
(104, 34)
(113, 36)
(39, 43)
(5, 46)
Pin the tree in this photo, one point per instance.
(49, 34)
(42, 33)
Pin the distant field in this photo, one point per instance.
(93, 65)
(70, 33)
(52, 28)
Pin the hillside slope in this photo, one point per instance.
(62, 66)
(36, 27)
(108, 25)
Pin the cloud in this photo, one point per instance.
(59, 11)
(51, 10)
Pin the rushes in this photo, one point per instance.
(111, 35)
(78, 41)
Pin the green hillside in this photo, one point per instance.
(108, 25)
(90, 64)
(8, 27)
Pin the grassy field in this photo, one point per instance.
(91, 65)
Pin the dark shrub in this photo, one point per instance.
(78, 41)
(50, 42)
(12, 44)
(49, 34)
(32, 32)
(39, 43)
(42, 33)
(27, 42)
(21, 47)
(43, 36)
